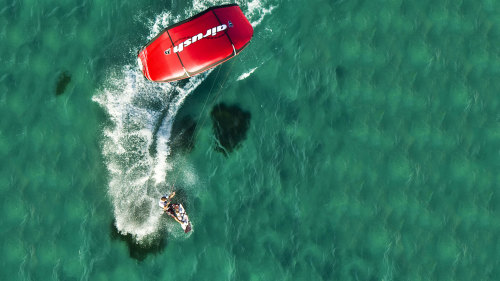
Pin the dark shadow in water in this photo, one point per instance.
(340, 72)
(152, 148)
(62, 82)
(164, 112)
(182, 138)
(230, 124)
(140, 251)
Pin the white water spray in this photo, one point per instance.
(136, 145)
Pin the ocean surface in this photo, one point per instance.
(370, 148)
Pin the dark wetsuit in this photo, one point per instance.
(171, 209)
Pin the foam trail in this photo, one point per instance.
(136, 145)
(255, 11)
(246, 74)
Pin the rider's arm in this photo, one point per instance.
(174, 217)
(171, 195)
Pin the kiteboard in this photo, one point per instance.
(178, 212)
(197, 44)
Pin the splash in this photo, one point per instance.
(246, 74)
(256, 12)
(136, 144)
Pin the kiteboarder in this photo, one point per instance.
(165, 201)
(176, 211)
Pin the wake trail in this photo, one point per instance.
(136, 144)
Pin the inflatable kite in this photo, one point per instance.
(197, 44)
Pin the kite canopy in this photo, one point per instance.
(197, 44)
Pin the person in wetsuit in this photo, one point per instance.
(165, 201)
(168, 207)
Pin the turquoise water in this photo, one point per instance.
(372, 150)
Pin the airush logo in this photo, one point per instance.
(210, 32)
